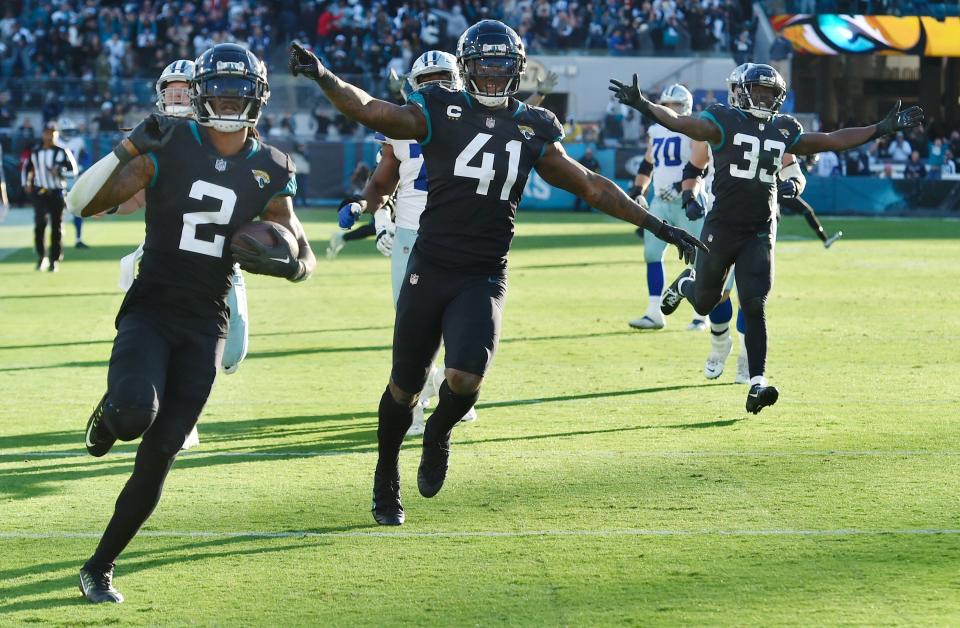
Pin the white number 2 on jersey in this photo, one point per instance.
(484, 173)
(188, 237)
(752, 155)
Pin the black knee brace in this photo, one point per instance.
(131, 407)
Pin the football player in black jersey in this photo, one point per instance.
(749, 141)
(479, 145)
(204, 179)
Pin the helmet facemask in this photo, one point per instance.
(173, 99)
(229, 103)
(492, 79)
(760, 100)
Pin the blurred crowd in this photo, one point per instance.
(90, 51)
(928, 152)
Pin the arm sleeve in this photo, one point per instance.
(26, 170)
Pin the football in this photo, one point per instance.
(262, 232)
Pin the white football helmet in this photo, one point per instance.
(431, 62)
(733, 82)
(178, 71)
(678, 94)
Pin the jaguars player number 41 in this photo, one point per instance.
(749, 139)
(479, 146)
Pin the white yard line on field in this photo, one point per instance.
(867, 453)
(293, 534)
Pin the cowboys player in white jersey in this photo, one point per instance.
(173, 99)
(667, 153)
(402, 173)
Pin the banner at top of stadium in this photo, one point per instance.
(870, 34)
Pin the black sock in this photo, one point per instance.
(450, 409)
(394, 421)
(134, 505)
(686, 289)
(756, 341)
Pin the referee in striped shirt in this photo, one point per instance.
(44, 178)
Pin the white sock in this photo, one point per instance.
(654, 303)
(720, 329)
(759, 379)
(743, 344)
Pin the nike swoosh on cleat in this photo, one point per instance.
(754, 395)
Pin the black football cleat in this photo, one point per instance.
(99, 439)
(387, 509)
(671, 298)
(434, 462)
(97, 586)
(760, 397)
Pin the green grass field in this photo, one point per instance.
(606, 482)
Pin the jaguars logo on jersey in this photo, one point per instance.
(261, 177)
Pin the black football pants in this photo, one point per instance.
(750, 248)
(159, 379)
(434, 302)
(48, 207)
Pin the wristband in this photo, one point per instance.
(122, 154)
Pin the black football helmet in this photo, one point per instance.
(491, 59)
(761, 106)
(229, 71)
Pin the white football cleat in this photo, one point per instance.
(829, 241)
(720, 349)
(699, 323)
(743, 369)
(470, 416)
(418, 425)
(650, 320)
(192, 440)
(336, 245)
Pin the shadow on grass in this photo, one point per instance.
(356, 434)
(64, 589)
(281, 353)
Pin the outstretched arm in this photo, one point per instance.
(895, 120)
(558, 169)
(694, 128)
(404, 122)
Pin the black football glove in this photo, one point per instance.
(304, 62)
(686, 243)
(630, 95)
(897, 120)
(691, 206)
(276, 260)
(635, 192)
(788, 189)
(153, 133)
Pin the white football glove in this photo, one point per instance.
(386, 230)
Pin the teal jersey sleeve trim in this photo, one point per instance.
(706, 115)
(795, 139)
(466, 96)
(156, 170)
(290, 189)
(520, 109)
(196, 131)
(253, 148)
(417, 99)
